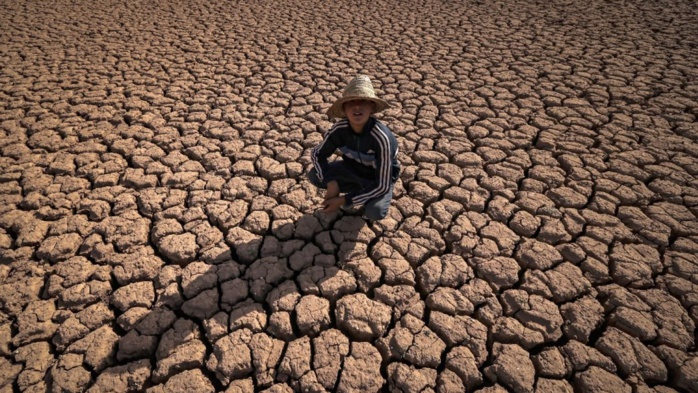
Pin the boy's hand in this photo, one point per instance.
(333, 204)
(332, 190)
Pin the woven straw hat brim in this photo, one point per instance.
(360, 88)
(336, 110)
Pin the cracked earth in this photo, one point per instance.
(157, 232)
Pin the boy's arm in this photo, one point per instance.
(321, 152)
(381, 185)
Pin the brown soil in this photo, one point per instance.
(157, 232)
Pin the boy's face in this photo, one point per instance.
(358, 111)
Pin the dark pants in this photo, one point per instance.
(350, 181)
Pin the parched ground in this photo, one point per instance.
(157, 232)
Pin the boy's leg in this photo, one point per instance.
(377, 208)
(315, 180)
(346, 178)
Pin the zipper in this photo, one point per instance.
(358, 149)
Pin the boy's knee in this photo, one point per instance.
(375, 212)
(314, 179)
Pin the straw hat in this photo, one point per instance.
(360, 88)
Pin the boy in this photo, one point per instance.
(369, 166)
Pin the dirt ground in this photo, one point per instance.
(158, 233)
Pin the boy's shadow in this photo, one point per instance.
(256, 284)
(312, 251)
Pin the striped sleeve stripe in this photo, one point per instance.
(317, 149)
(384, 170)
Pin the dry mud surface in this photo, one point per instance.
(157, 232)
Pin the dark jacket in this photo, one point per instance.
(373, 154)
